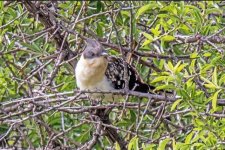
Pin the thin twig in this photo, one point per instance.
(5, 25)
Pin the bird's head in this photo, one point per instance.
(93, 50)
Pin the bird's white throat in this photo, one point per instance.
(90, 74)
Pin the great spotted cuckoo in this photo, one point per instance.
(96, 70)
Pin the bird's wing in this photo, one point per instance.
(115, 74)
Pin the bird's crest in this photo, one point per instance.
(93, 44)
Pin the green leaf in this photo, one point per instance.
(32, 47)
(176, 66)
(156, 31)
(210, 84)
(99, 6)
(181, 67)
(222, 79)
(148, 36)
(174, 144)
(146, 42)
(172, 9)
(194, 55)
(162, 144)
(168, 38)
(148, 146)
(84, 136)
(211, 140)
(215, 60)
(199, 122)
(117, 146)
(184, 94)
(197, 13)
(20, 8)
(160, 78)
(125, 13)
(214, 76)
(175, 104)
(184, 29)
(132, 116)
(207, 54)
(145, 8)
(169, 66)
(206, 67)
(100, 30)
(214, 100)
(165, 87)
(214, 10)
(133, 144)
(1, 5)
(189, 137)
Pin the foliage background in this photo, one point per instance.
(175, 46)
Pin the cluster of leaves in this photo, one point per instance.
(186, 40)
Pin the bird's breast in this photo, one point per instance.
(90, 73)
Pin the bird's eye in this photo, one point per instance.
(91, 54)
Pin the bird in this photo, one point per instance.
(96, 70)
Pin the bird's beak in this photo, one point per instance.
(104, 53)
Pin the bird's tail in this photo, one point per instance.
(111, 133)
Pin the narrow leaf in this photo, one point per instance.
(163, 143)
(214, 100)
(117, 146)
(168, 38)
(181, 67)
(210, 84)
(189, 137)
(143, 9)
(148, 36)
(160, 78)
(214, 76)
(175, 104)
(146, 42)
